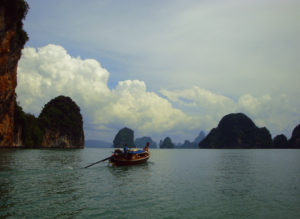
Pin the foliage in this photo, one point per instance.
(63, 115)
(15, 12)
(31, 132)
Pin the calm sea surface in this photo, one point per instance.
(173, 184)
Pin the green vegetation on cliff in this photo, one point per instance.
(27, 128)
(62, 116)
(59, 125)
(15, 12)
(62, 113)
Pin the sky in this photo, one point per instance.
(164, 68)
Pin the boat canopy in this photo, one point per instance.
(136, 151)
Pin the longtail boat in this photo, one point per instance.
(131, 156)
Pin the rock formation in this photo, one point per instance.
(280, 141)
(236, 130)
(62, 124)
(12, 40)
(167, 143)
(294, 142)
(199, 138)
(27, 129)
(124, 136)
(141, 142)
(191, 145)
(187, 145)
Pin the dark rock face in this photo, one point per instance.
(167, 143)
(294, 142)
(236, 130)
(141, 142)
(12, 40)
(27, 130)
(124, 136)
(62, 124)
(280, 141)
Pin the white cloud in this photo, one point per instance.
(49, 71)
(199, 96)
(241, 55)
(279, 114)
(252, 105)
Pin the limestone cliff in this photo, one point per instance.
(166, 143)
(12, 40)
(62, 124)
(294, 142)
(124, 137)
(236, 130)
(141, 142)
(27, 129)
(56, 139)
(280, 141)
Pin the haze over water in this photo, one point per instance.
(173, 184)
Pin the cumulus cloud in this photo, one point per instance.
(279, 114)
(50, 71)
(197, 96)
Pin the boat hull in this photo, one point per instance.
(128, 162)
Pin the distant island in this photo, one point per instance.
(141, 142)
(236, 130)
(124, 137)
(97, 144)
(191, 145)
(138, 142)
(166, 143)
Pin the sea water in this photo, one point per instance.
(192, 183)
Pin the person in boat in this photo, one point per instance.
(125, 148)
(146, 148)
(125, 151)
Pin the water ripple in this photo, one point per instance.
(173, 184)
